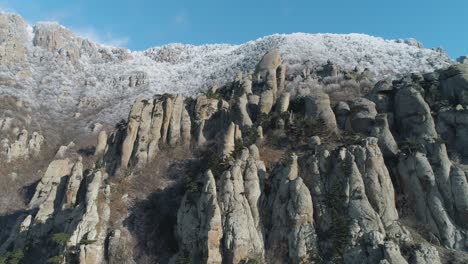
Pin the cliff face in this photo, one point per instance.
(265, 177)
(279, 165)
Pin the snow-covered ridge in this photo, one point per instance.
(59, 72)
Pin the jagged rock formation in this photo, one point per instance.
(17, 142)
(271, 176)
(76, 221)
(70, 72)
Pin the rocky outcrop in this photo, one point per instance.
(226, 213)
(364, 119)
(318, 109)
(205, 215)
(354, 201)
(57, 208)
(292, 219)
(269, 77)
(454, 84)
(151, 123)
(13, 32)
(23, 147)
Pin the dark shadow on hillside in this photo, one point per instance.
(152, 221)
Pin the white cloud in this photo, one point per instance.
(181, 17)
(4, 8)
(107, 39)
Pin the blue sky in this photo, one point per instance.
(140, 24)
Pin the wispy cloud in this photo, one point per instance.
(4, 7)
(181, 17)
(57, 15)
(107, 38)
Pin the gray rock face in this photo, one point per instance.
(317, 108)
(242, 235)
(270, 74)
(413, 115)
(227, 213)
(353, 194)
(421, 185)
(335, 201)
(204, 241)
(57, 208)
(292, 215)
(454, 83)
(452, 125)
(163, 120)
(23, 147)
(13, 32)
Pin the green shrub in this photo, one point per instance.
(14, 257)
(60, 238)
(411, 146)
(212, 94)
(87, 242)
(56, 259)
(238, 148)
(250, 136)
(191, 185)
(215, 162)
(184, 260)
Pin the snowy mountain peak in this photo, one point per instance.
(56, 70)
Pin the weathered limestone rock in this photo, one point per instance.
(381, 131)
(163, 120)
(392, 253)
(363, 118)
(155, 129)
(426, 254)
(317, 108)
(292, 215)
(247, 85)
(229, 140)
(102, 143)
(342, 112)
(377, 182)
(203, 242)
(174, 125)
(73, 185)
(19, 148)
(118, 250)
(13, 32)
(267, 99)
(452, 125)
(242, 239)
(244, 117)
(47, 187)
(362, 115)
(271, 74)
(86, 228)
(35, 143)
(136, 79)
(413, 115)
(283, 103)
(420, 185)
(132, 130)
(268, 65)
(454, 84)
(281, 77)
(460, 194)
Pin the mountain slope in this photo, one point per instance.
(60, 72)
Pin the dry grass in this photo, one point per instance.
(270, 155)
(17, 178)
